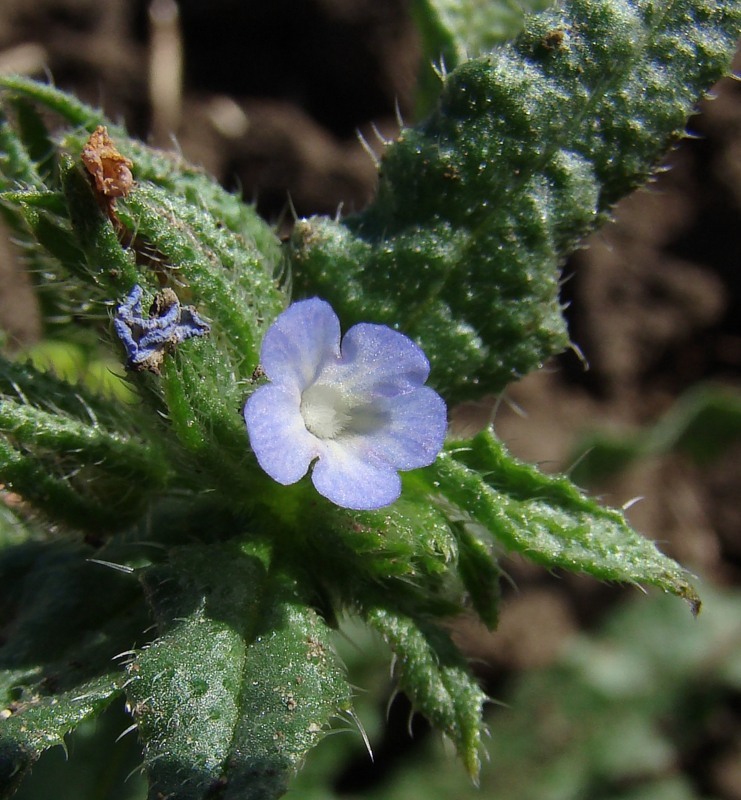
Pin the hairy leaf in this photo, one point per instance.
(64, 460)
(434, 675)
(64, 620)
(177, 229)
(359, 558)
(36, 724)
(525, 153)
(232, 282)
(241, 682)
(479, 571)
(549, 520)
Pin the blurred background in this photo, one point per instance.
(600, 691)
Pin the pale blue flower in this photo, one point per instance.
(358, 410)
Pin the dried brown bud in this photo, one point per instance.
(110, 171)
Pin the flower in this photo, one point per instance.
(358, 409)
(147, 339)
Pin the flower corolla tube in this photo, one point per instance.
(357, 408)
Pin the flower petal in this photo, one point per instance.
(414, 431)
(300, 342)
(377, 361)
(350, 476)
(283, 446)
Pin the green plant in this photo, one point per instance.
(148, 556)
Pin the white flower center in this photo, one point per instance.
(325, 410)
(328, 413)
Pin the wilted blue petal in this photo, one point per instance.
(279, 439)
(190, 324)
(123, 331)
(147, 339)
(300, 342)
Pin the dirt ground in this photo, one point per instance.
(270, 100)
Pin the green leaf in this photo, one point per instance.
(82, 366)
(46, 391)
(16, 164)
(65, 616)
(164, 169)
(74, 470)
(49, 250)
(107, 268)
(360, 558)
(42, 722)
(99, 761)
(241, 683)
(548, 520)
(200, 191)
(478, 570)
(64, 620)
(433, 673)
(525, 153)
(178, 229)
